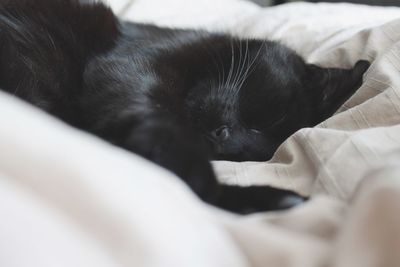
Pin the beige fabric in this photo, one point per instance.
(69, 199)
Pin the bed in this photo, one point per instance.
(69, 199)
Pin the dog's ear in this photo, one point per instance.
(329, 88)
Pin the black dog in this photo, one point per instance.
(176, 97)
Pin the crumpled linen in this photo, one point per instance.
(70, 199)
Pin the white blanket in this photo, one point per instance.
(70, 199)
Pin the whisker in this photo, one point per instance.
(246, 68)
(220, 63)
(238, 68)
(232, 65)
(216, 65)
(243, 67)
(222, 67)
(252, 67)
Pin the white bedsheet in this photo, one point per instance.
(70, 199)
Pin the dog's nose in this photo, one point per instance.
(221, 133)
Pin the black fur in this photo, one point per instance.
(176, 97)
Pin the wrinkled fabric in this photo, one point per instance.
(70, 199)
